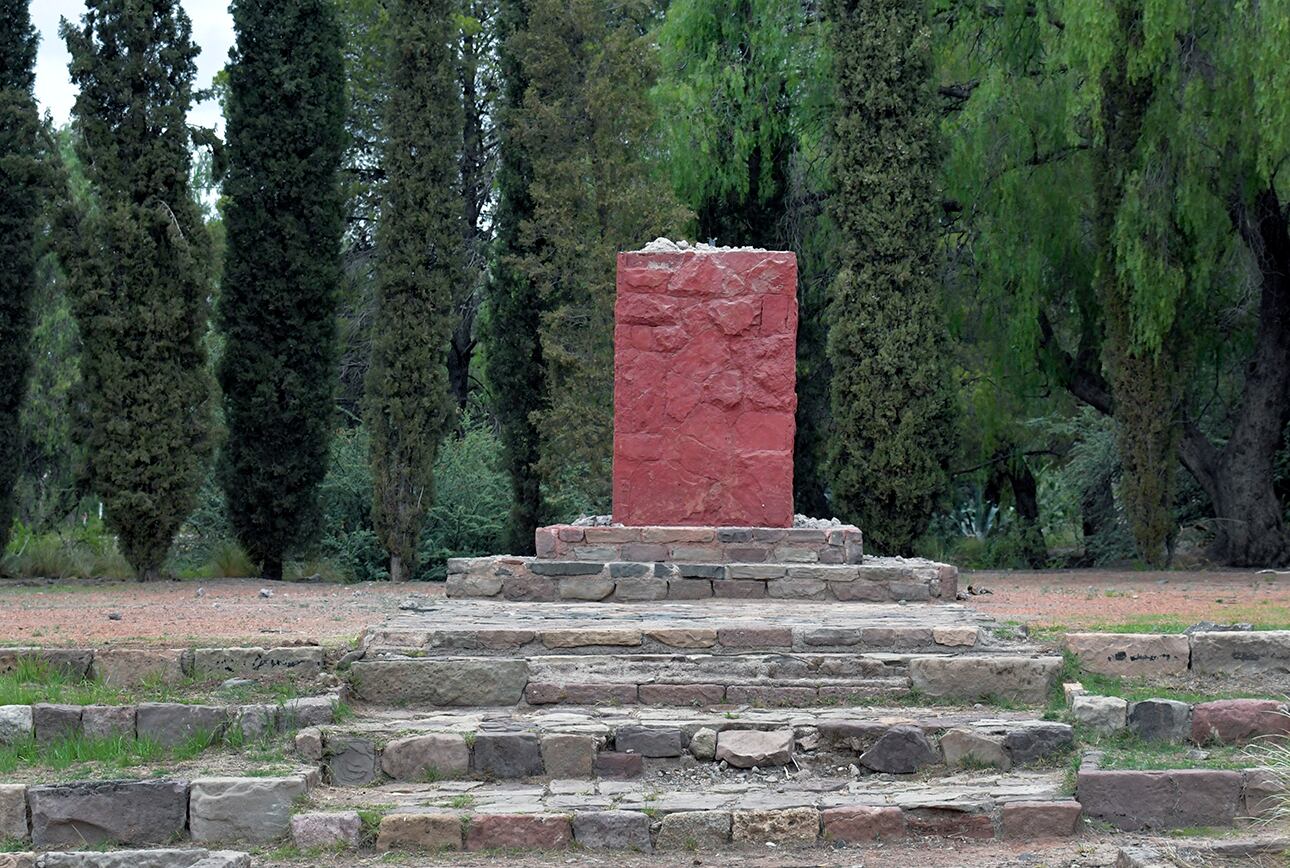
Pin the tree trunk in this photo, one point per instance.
(398, 570)
(272, 571)
(150, 574)
(1025, 498)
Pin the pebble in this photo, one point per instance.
(266, 593)
(114, 616)
(201, 592)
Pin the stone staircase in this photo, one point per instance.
(681, 688)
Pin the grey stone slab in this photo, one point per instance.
(649, 741)
(351, 762)
(13, 812)
(507, 756)
(254, 810)
(171, 724)
(612, 830)
(101, 812)
(454, 681)
(55, 722)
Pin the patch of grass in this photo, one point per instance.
(12, 845)
(1262, 615)
(1130, 689)
(1127, 750)
(462, 801)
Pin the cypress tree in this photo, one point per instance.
(138, 271)
(20, 184)
(515, 367)
(277, 310)
(419, 266)
(893, 406)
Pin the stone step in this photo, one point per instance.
(721, 545)
(641, 816)
(875, 580)
(486, 627)
(573, 742)
(702, 679)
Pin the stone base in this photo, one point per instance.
(707, 545)
(875, 580)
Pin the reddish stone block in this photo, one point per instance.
(600, 535)
(1025, 821)
(704, 388)
(949, 823)
(678, 534)
(569, 533)
(546, 542)
(738, 590)
(755, 637)
(682, 694)
(545, 693)
(519, 831)
(860, 825)
(744, 694)
(616, 766)
(1236, 721)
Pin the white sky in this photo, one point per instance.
(212, 31)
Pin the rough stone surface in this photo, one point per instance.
(243, 809)
(703, 744)
(460, 681)
(1027, 821)
(1258, 652)
(947, 822)
(418, 757)
(862, 825)
(508, 756)
(107, 721)
(613, 765)
(1100, 713)
(188, 857)
(612, 830)
(1132, 655)
(55, 722)
(1263, 794)
(171, 724)
(15, 723)
(745, 748)
(1038, 741)
(309, 744)
(569, 756)
(328, 830)
(527, 831)
(694, 830)
(432, 832)
(13, 812)
(1020, 679)
(649, 741)
(786, 826)
(118, 812)
(901, 750)
(351, 762)
(704, 388)
(1237, 721)
(1133, 800)
(1160, 719)
(130, 667)
(299, 662)
(966, 747)
(307, 711)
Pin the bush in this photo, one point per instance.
(75, 551)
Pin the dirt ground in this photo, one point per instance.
(233, 610)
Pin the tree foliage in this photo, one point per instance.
(138, 272)
(20, 194)
(420, 269)
(277, 305)
(893, 405)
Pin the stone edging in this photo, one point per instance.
(1133, 800)
(169, 724)
(211, 810)
(1147, 655)
(130, 667)
(168, 858)
(1223, 721)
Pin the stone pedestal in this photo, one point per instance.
(705, 372)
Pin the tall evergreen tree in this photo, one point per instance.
(409, 407)
(138, 269)
(20, 189)
(516, 372)
(277, 309)
(893, 406)
(585, 125)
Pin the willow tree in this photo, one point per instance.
(277, 308)
(138, 271)
(20, 194)
(1160, 128)
(742, 97)
(419, 267)
(893, 405)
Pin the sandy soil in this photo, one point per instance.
(232, 610)
(1107, 598)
